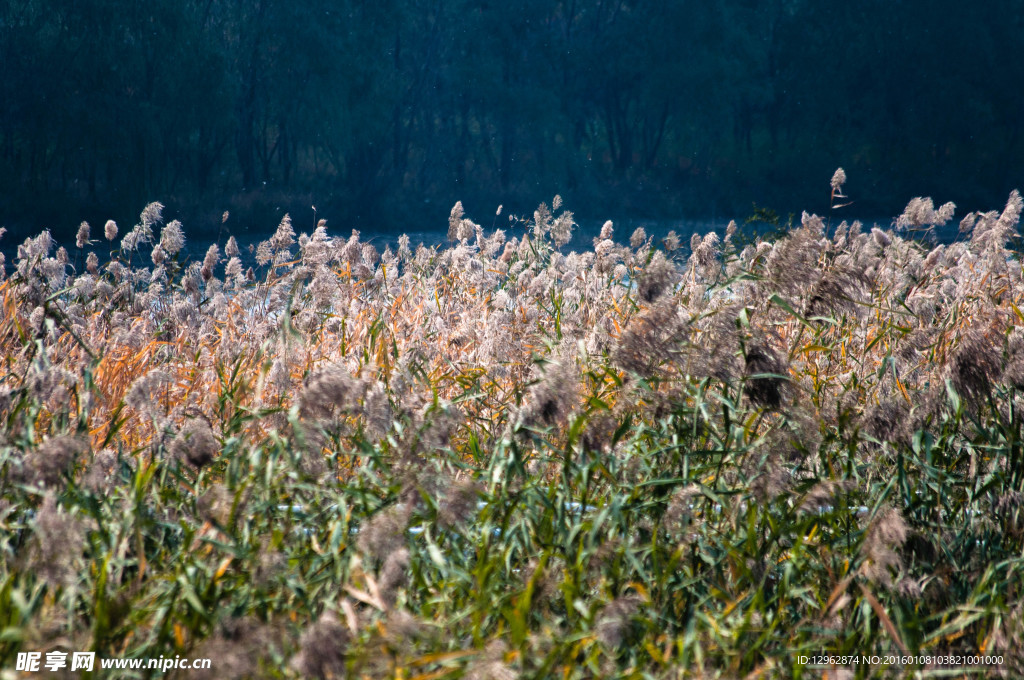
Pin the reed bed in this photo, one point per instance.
(497, 459)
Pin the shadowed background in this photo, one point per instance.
(383, 114)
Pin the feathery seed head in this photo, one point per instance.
(458, 504)
(838, 180)
(100, 476)
(886, 534)
(82, 237)
(377, 409)
(329, 390)
(1011, 213)
(945, 213)
(264, 253)
(215, 505)
(561, 229)
(58, 540)
(730, 230)
(672, 241)
(37, 318)
(142, 395)
(551, 399)
(159, 256)
(765, 376)
(152, 214)
(36, 248)
(616, 620)
(455, 221)
(403, 247)
(968, 222)
(233, 269)
(885, 419)
(210, 262)
(394, 575)
(130, 241)
(707, 251)
(172, 238)
(680, 509)
(491, 664)
(881, 238)
(976, 365)
(231, 248)
(822, 495)
(370, 255)
(195, 443)
(638, 238)
(657, 278)
(384, 534)
(541, 220)
(322, 649)
(284, 237)
(55, 456)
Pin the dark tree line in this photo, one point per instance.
(384, 113)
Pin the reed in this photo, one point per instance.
(497, 459)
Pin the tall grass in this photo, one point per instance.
(498, 460)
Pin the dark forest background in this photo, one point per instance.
(384, 113)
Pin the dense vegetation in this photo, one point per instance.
(499, 460)
(383, 114)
